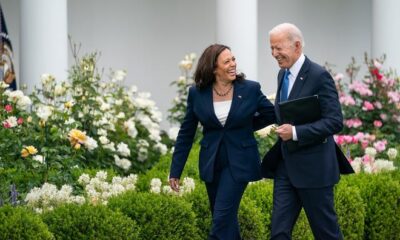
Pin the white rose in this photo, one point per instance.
(119, 76)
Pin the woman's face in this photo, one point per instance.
(226, 66)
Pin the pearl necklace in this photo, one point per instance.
(223, 94)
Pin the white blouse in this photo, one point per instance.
(222, 110)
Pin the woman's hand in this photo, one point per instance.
(174, 184)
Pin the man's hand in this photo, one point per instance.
(285, 132)
(174, 184)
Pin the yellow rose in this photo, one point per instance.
(29, 150)
(68, 105)
(76, 136)
(24, 153)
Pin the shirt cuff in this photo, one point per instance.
(294, 133)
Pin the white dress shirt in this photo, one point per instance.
(221, 110)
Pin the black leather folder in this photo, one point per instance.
(297, 112)
(300, 111)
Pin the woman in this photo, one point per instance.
(226, 105)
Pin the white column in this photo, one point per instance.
(237, 28)
(44, 41)
(386, 31)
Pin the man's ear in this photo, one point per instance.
(298, 44)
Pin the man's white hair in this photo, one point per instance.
(293, 32)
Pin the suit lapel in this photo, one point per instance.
(209, 105)
(300, 80)
(237, 100)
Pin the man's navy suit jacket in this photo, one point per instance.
(315, 164)
(237, 133)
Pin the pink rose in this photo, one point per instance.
(359, 136)
(338, 77)
(348, 139)
(6, 124)
(394, 96)
(377, 123)
(353, 123)
(339, 139)
(347, 100)
(8, 108)
(366, 158)
(20, 121)
(380, 145)
(367, 106)
(360, 88)
(364, 144)
(378, 105)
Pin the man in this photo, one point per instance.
(304, 177)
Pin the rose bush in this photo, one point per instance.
(83, 122)
(370, 105)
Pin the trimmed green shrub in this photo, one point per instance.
(160, 216)
(73, 221)
(251, 220)
(350, 209)
(201, 207)
(261, 193)
(396, 174)
(21, 223)
(381, 196)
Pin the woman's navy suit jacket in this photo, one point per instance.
(250, 110)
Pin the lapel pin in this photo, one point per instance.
(240, 96)
(301, 78)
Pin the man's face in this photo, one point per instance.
(285, 52)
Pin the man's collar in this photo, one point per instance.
(295, 69)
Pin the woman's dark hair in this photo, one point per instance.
(204, 75)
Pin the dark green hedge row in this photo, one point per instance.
(368, 207)
(361, 200)
(159, 216)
